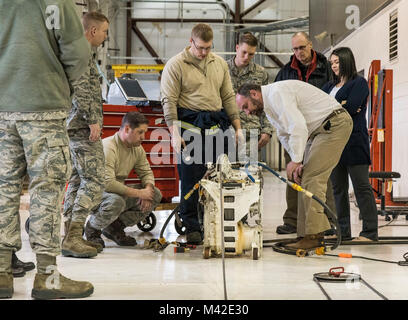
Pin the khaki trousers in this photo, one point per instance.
(291, 214)
(322, 153)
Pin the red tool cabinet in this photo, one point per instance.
(156, 138)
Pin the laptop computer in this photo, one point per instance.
(131, 89)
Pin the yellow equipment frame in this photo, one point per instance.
(136, 68)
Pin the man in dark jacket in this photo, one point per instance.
(312, 67)
(305, 64)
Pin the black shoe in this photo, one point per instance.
(286, 229)
(330, 232)
(16, 264)
(18, 272)
(194, 238)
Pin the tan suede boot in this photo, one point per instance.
(73, 245)
(6, 277)
(95, 245)
(310, 241)
(50, 284)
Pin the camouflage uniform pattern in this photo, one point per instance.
(115, 206)
(251, 123)
(33, 116)
(87, 100)
(86, 184)
(36, 144)
(5, 261)
(252, 73)
(256, 74)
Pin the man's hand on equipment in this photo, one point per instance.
(239, 137)
(291, 168)
(263, 141)
(95, 132)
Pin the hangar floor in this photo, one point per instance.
(134, 273)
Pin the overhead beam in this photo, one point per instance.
(146, 43)
(298, 22)
(251, 8)
(178, 20)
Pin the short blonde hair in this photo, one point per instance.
(249, 39)
(202, 31)
(91, 17)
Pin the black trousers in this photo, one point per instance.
(364, 196)
(192, 170)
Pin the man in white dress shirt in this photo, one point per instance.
(313, 128)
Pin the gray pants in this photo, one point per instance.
(364, 196)
(114, 206)
(39, 148)
(322, 153)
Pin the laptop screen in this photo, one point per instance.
(131, 89)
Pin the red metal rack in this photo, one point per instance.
(380, 111)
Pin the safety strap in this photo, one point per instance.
(211, 131)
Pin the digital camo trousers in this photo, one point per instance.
(87, 180)
(114, 206)
(40, 149)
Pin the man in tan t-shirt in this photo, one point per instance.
(124, 205)
(197, 96)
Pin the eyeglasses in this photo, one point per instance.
(301, 48)
(202, 48)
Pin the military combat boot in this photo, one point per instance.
(16, 263)
(95, 245)
(73, 245)
(6, 277)
(115, 232)
(50, 284)
(18, 272)
(93, 235)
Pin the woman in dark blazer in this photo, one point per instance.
(351, 91)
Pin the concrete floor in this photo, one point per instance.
(134, 273)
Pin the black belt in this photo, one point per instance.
(334, 113)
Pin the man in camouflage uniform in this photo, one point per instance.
(33, 138)
(124, 205)
(242, 70)
(84, 125)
